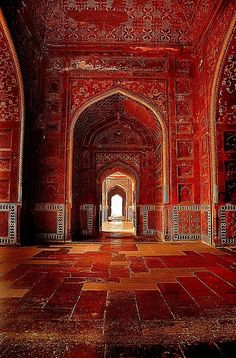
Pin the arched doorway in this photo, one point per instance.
(121, 186)
(116, 201)
(115, 129)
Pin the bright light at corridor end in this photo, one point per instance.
(116, 205)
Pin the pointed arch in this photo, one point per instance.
(148, 105)
(116, 186)
(117, 166)
(213, 108)
(117, 190)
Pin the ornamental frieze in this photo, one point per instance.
(107, 158)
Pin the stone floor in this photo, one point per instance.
(118, 298)
(118, 226)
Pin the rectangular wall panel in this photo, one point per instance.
(50, 220)
(8, 227)
(187, 222)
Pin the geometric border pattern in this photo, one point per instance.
(199, 208)
(223, 224)
(144, 212)
(163, 222)
(12, 224)
(206, 208)
(60, 209)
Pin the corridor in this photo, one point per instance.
(117, 179)
(118, 298)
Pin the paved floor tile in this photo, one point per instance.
(118, 297)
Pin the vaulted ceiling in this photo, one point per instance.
(137, 23)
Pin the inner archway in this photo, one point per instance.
(115, 129)
(118, 202)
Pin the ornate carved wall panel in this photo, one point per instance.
(82, 89)
(162, 23)
(120, 22)
(11, 136)
(185, 193)
(227, 215)
(187, 222)
(104, 159)
(125, 184)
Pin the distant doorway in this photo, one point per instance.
(118, 207)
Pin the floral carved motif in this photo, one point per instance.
(128, 21)
(82, 90)
(227, 91)
(185, 193)
(189, 222)
(104, 159)
(214, 44)
(9, 88)
(184, 149)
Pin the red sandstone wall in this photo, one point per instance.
(71, 81)
(11, 125)
(226, 145)
(209, 52)
(28, 43)
(57, 85)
